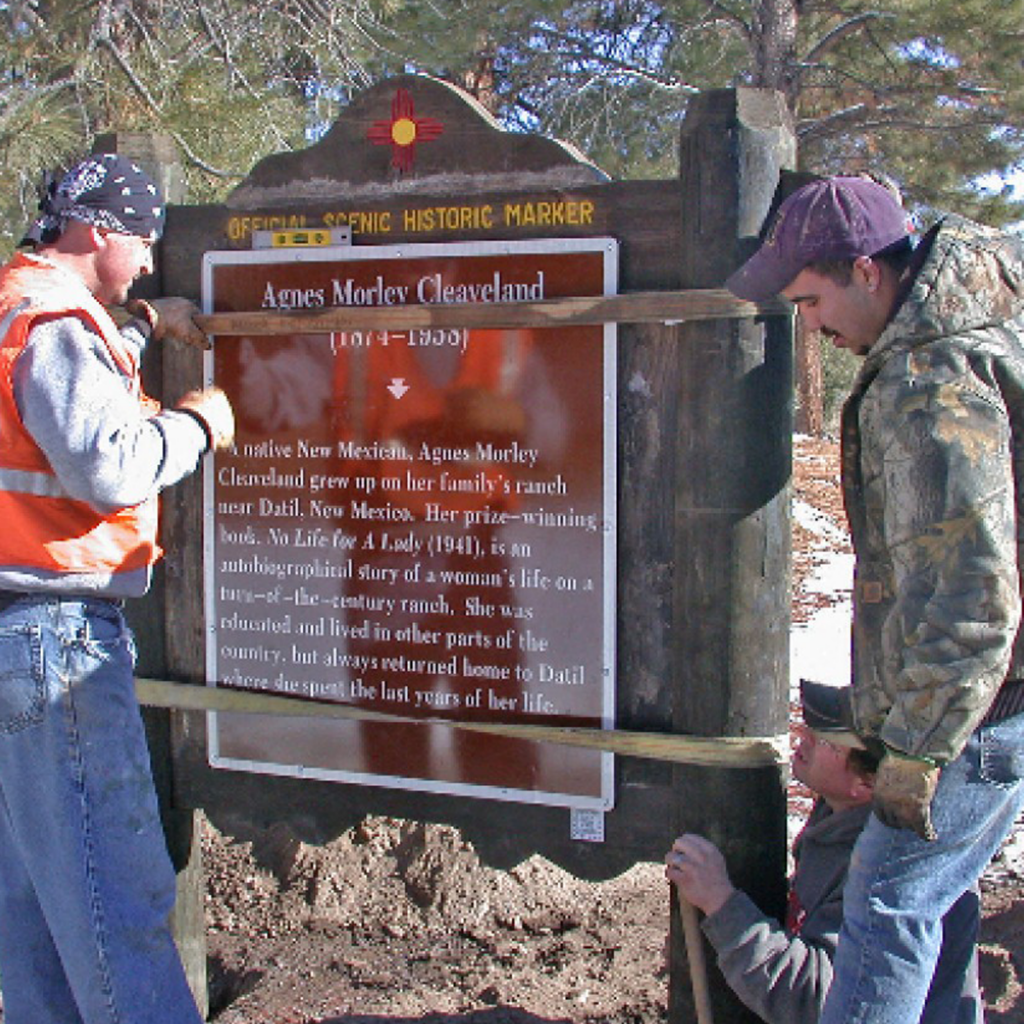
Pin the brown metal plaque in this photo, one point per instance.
(417, 522)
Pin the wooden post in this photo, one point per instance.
(158, 156)
(155, 153)
(181, 524)
(732, 515)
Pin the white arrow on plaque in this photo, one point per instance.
(398, 387)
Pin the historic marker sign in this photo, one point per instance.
(418, 522)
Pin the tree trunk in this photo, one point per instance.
(478, 81)
(774, 47)
(810, 403)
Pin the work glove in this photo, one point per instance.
(170, 318)
(212, 410)
(904, 787)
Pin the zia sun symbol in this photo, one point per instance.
(403, 131)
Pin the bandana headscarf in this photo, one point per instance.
(105, 190)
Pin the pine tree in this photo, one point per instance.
(229, 80)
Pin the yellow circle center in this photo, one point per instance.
(403, 131)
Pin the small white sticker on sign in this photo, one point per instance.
(586, 825)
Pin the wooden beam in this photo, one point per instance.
(630, 307)
(717, 751)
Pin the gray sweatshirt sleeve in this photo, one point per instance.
(76, 404)
(783, 979)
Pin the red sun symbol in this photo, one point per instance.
(403, 131)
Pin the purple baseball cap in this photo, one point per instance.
(831, 219)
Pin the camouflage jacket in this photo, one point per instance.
(933, 455)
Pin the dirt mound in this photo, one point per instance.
(398, 918)
(396, 922)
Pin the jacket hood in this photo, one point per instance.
(972, 277)
(826, 827)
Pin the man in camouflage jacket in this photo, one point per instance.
(933, 461)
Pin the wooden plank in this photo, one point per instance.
(648, 436)
(717, 751)
(631, 307)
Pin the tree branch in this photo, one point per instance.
(617, 64)
(11, 108)
(840, 32)
(223, 47)
(104, 41)
(879, 118)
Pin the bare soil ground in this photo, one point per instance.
(397, 922)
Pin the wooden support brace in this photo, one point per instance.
(710, 751)
(630, 307)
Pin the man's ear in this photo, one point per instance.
(861, 788)
(79, 237)
(868, 272)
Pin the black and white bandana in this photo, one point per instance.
(106, 190)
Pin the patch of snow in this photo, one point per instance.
(820, 648)
(815, 521)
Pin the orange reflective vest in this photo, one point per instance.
(43, 527)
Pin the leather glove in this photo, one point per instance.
(904, 787)
(213, 411)
(171, 317)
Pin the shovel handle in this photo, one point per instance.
(695, 956)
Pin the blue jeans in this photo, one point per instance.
(86, 884)
(955, 993)
(899, 886)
